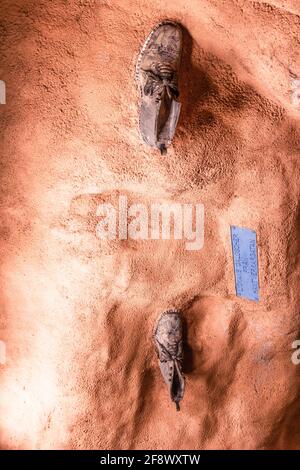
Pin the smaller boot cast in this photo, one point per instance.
(168, 344)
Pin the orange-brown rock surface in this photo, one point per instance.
(77, 313)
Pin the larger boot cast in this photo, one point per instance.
(157, 78)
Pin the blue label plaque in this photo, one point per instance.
(244, 249)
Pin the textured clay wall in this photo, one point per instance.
(77, 313)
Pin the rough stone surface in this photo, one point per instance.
(77, 313)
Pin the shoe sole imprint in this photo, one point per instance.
(139, 60)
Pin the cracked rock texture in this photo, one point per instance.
(77, 313)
